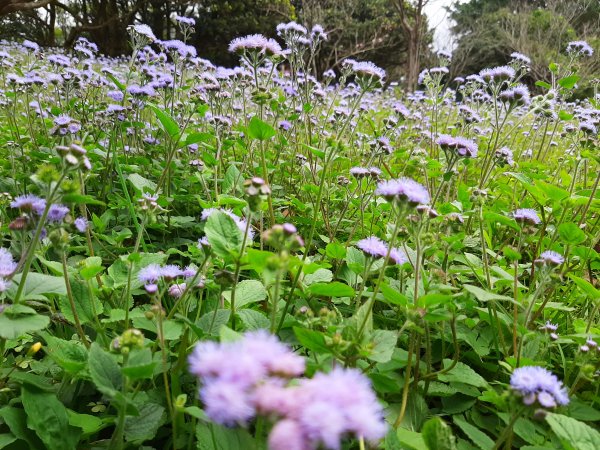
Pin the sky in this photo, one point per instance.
(438, 19)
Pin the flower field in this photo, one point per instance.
(265, 257)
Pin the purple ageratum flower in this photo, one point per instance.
(345, 397)
(463, 147)
(28, 202)
(285, 125)
(497, 74)
(255, 42)
(403, 190)
(516, 95)
(227, 403)
(177, 290)
(150, 274)
(552, 258)
(588, 127)
(527, 216)
(398, 256)
(288, 435)
(520, 58)
(4, 285)
(373, 246)
(185, 20)
(7, 264)
(366, 69)
(170, 271)
(580, 48)
(536, 383)
(56, 213)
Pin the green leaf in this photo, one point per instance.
(6, 439)
(47, 416)
(253, 320)
(571, 234)
(139, 364)
(569, 82)
(144, 426)
(384, 343)
(563, 115)
(438, 435)
(312, 340)
(38, 286)
(212, 321)
(334, 250)
(88, 309)
(89, 424)
(16, 420)
(79, 199)
(392, 296)
(140, 183)
(17, 320)
(210, 436)
(104, 371)
(479, 438)
(484, 296)
(410, 439)
(257, 129)
(586, 287)
(462, 373)
(247, 292)
(223, 235)
(543, 84)
(233, 180)
(169, 124)
(573, 434)
(335, 289)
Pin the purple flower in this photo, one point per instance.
(366, 69)
(536, 383)
(177, 290)
(527, 216)
(373, 246)
(185, 20)
(255, 42)
(521, 58)
(497, 74)
(7, 264)
(150, 274)
(517, 95)
(552, 258)
(288, 435)
(81, 224)
(170, 271)
(403, 190)
(28, 202)
(398, 256)
(56, 213)
(580, 48)
(227, 403)
(463, 147)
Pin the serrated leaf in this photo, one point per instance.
(247, 292)
(47, 416)
(573, 434)
(211, 322)
(484, 296)
(384, 343)
(571, 234)
(479, 438)
(438, 435)
(88, 309)
(311, 339)
(569, 82)
(257, 129)
(144, 426)
(140, 183)
(104, 371)
(169, 124)
(38, 286)
(17, 320)
(223, 235)
(253, 320)
(139, 364)
(461, 373)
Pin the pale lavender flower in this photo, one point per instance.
(255, 42)
(403, 190)
(177, 290)
(28, 202)
(367, 69)
(580, 48)
(373, 246)
(170, 271)
(150, 274)
(536, 383)
(552, 258)
(56, 213)
(7, 264)
(526, 215)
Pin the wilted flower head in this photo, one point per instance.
(536, 384)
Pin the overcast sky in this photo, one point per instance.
(438, 19)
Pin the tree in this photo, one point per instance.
(414, 24)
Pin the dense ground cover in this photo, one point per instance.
(211, 258)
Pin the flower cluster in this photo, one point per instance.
(7, 268)
(463, 147)
(250, 377)
(376, 248)
(151, 275)
(403, 190)
(536, 384)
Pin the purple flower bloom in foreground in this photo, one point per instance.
(368, 69)
(255, 42)
(536, 383)
(403, 190)
(7, 264)
(528, 216)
